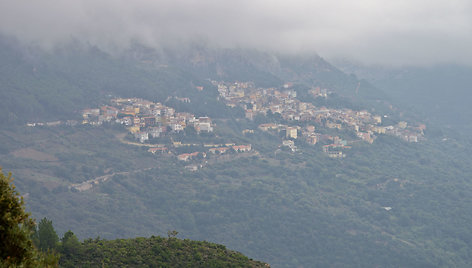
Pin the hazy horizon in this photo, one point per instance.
(373, 32)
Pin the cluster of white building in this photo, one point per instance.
(284, 101)
(146, 119)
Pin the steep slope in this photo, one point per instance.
(387, 204)
(37, 85)
(440, 94)
(289, 210)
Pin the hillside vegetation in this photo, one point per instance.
(25, 244)
(152, 252)
(386, 204)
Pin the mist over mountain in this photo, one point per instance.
(228, 122)
(382, 32)
(49, 86)
(440, 93)
(375, 199)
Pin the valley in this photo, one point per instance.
(267, 178)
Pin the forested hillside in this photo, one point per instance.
(38, 85)
(152, 252)
(388, 202)
(27, 244)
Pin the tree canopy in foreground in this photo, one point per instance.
(16, 229)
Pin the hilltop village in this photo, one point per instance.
(304, 115)
(156, 125)
(147, 121)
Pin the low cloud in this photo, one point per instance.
(371, 31)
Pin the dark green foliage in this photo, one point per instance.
(152, 252)
(15, 225)
(16, 246)
(70, 245)
(46, 235)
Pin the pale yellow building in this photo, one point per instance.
(291, 132)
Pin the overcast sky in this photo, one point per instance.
(372, 31)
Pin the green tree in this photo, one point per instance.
(70, 243)
(70, 247)
(15, 225)
(47, 236)
(16, 228)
